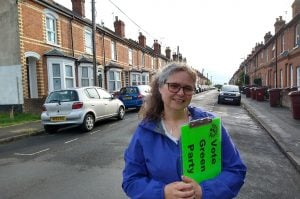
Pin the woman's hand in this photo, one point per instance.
(196, 187)
(178, 190)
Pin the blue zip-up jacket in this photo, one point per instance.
(152, 160)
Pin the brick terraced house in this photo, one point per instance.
(276, 61)
(45, 46)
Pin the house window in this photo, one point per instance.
(61, 73)
(113, 51)
(282, 43)
(297, 35)
(275, 79)
(88, 41)
(56, 77)
(273, 50)
(145, 79)
(51, 19)
(114, 80)
(135, 79)
(85, 75)
(69, 76)
(143, 60)
(267, 55)
(152, 63)
(130, 56)
(281, 79)
(291, 75)
(298, 78)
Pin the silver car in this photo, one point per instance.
(79, 106)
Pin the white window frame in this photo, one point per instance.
(88, 43)
(291, 76)
(273, 51)
(145, 78)
(282, 43)
(281, 79)
(152, 63)
(113, 50)
(298, 77)
(135, 78)
(130, 56)
(143, 59)
(114, 84)
(49, 15)
(297, 35)
(90, 74)
(63, 76)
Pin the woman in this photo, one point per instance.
(152, 159)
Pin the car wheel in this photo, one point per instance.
(238, 103)
(88, 123)
(121, 113)
(50, 129)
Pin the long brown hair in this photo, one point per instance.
(153, 106)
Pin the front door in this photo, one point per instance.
(32, 77)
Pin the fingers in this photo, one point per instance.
(179, 190)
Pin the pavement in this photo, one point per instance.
(277, 121)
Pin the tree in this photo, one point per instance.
(257, 81)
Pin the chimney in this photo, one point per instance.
(296, 7)
(267, 36)
(180, 57)
(142, 40)
(168, 53)
(175, 57)
(78, 7)
(119, 27)
(156, 47)
(279, 24)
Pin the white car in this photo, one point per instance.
(79, 106)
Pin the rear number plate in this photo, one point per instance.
(127, 98)
(58, 119)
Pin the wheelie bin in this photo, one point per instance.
(260, 94)
(274, 95)
(253, 93)
(247, 91)
(295, 104)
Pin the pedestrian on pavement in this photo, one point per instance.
(152, 159)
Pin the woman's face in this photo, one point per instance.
(177, 100)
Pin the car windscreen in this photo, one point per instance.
(144, 89)
(230, 88)
(62, 96)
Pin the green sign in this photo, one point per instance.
(201, 149)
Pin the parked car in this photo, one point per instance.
(229, 94)
(134, 96)
(79, 106)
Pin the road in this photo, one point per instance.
(71, 164)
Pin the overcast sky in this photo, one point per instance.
(213, 35)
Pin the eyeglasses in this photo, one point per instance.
(175, 88)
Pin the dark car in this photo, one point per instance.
(229, 94)
(134, 96)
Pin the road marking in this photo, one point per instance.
(32, 153)
(71, 141)
(95, 132)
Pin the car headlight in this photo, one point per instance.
(221, 93)
(238, 94)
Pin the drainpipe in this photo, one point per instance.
(94, 43)
(276, 63)
(72, 38)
